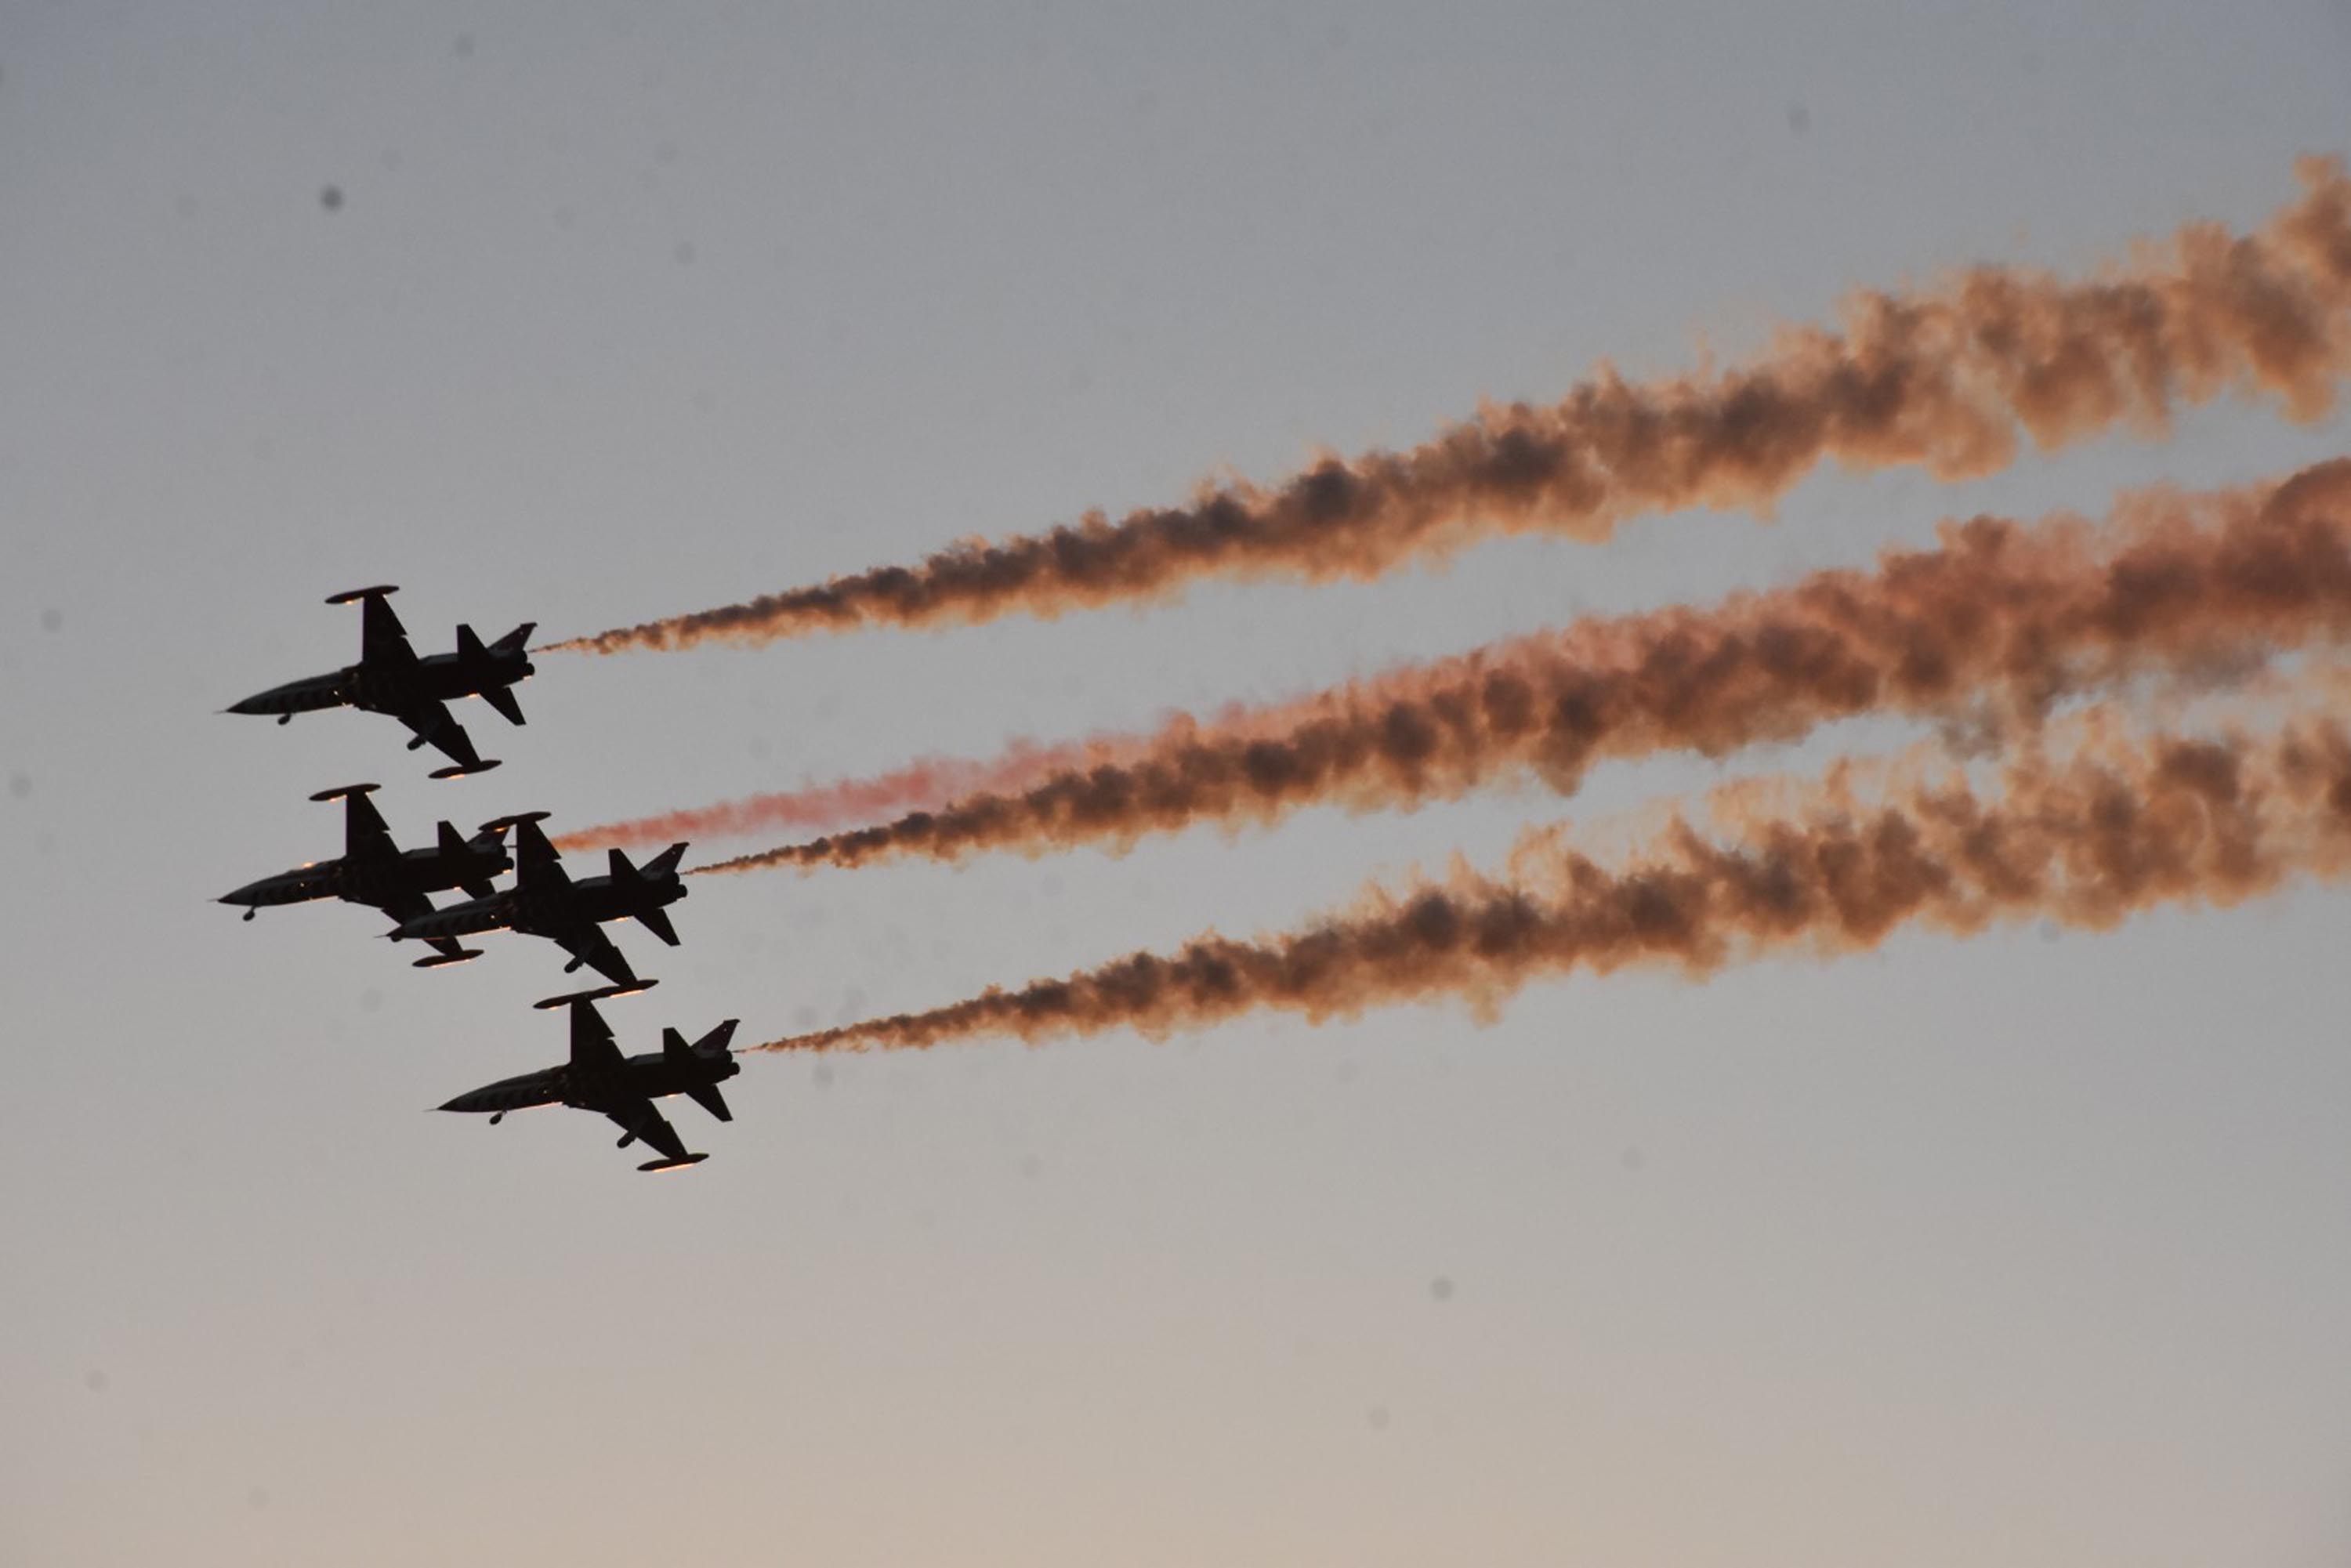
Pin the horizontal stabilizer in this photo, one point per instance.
(672, 1165)
(503, 699)
(598, 995)
(458, 769)
(500, 824)
(348, 595)
(469, 646)
(340, 791)
(459, 957)
(656, 922)
(706, 1095)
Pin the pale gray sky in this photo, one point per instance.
(2027, 1250)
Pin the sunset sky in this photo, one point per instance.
(2027, 1248)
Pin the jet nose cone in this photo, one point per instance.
(242, 895)
(250, 704)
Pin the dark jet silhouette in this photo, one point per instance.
(374, 870)
(545, 901)
(389, 678)
(599, 1078)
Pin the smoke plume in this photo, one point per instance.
(1944, 379)
(924, 785)
(1995, 625)
(2122, 828)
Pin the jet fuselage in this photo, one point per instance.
(545, 912)
(650, 1075)
(413, 873)
(373, 688)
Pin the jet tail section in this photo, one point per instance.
(664, 863)
(706, 1095)
(673, 1044)
(503, 699)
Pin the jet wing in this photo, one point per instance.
(406, 906)
(430, 722)
(365, 837)
(383, 641)
(592, 1051)
(537, 864)
(588, 944)
(641, 1120)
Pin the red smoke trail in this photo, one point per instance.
(1997, 624)
(1943, 380)
(924, 785)
(2119, 830)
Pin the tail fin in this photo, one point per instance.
(513, 640)
(623, 872)
(673, 1044)
(487, 851)
(663, 864)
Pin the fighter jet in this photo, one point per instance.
(389, 678)
(545, 901)
(373, 870)
(599, 1078)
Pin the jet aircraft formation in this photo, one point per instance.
(543, 899)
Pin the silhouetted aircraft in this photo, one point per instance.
(545, 901)
(372, 870)
(599, 1078)
(389, 678)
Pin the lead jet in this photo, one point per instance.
(545, 901)
(374, 870)
(599, 1078)
(389, 678)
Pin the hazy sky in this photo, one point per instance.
(2027, 1250)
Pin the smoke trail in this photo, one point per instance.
(924, 785)
(2116, 831)
(1942, 379)
(2002, 618)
